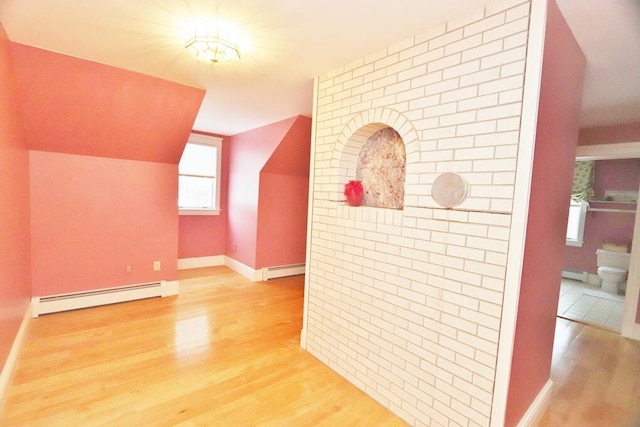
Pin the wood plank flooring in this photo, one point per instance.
(596, 375)
(225, 352)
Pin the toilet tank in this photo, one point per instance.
(613, 259)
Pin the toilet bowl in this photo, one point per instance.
(611, 278)
(612, 269)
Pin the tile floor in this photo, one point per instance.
(587, 303)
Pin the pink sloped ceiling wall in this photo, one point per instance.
(248, 152)
(251, 153)
(81, 107)
(104, 148)
(555, 146)
(283, 200)
(15, 280)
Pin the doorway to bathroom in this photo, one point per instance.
(587, 303)
(615, 225)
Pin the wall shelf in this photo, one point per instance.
(611, 210)
(612, 202)
(631, 206)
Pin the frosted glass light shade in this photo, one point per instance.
(212, 49)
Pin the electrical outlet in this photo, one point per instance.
(156, 265)
(235, 247)
(128, 268)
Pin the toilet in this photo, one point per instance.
(612, 269)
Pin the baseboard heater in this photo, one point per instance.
(570, 273)
(94, 298)
(282, 271)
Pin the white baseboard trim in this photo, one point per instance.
(172, 288)
(10, 364)
(245, 270)
(303, 339)
(102, 296)
(539, 406)
(630, 329)
(200, 262)
(633, 333)
(282, 271)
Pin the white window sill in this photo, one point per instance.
(576, 243)
(194, 212)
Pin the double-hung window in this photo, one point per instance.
(575, 224)
(198, 176)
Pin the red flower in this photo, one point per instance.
(353, 188)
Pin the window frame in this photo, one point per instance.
(582, 217)
(212, 141)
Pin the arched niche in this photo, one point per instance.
(360, 152)
(381, 169)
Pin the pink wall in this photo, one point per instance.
(249, 153)
(629, 132)
(201, 236)
(15, 280)
(282, 226)
(81, 107)
(556, 140)
(105, 147)
(92, 216)
(601, 227)
(283, 200)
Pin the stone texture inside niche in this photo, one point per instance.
(381, 168)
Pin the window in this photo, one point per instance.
(198, 173)
(575, 225)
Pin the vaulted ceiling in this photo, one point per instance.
(288, 42)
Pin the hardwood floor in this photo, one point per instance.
(596, 375)
(225, 352)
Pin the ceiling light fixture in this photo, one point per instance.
(213, 42)
(212, 49)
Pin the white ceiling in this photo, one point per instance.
(288, 42)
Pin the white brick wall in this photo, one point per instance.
(406, 304)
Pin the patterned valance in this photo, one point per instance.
(582, 189)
